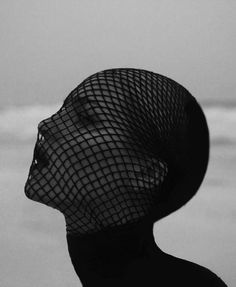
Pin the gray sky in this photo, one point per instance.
(48, 47)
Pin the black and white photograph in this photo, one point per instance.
(118, 143)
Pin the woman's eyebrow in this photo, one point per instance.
(75, 100)
(79, 102)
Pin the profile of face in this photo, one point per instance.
(94, 159)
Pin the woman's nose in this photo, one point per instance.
(49, 127)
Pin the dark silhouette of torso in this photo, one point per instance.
(129, 256)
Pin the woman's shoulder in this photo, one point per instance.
(169, 271)
(190, 273)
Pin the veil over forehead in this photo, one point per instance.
(131, 145)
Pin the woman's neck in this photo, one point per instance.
(114, 254)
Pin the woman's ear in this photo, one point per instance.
(184, 180)
(150, 175)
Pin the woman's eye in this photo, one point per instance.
(86, 118)
(83, 117)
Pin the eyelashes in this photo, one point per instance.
(86, 119)
(85, 116)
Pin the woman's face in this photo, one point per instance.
(85, 162)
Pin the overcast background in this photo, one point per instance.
(47, 48)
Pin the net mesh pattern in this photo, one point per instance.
(103, 157)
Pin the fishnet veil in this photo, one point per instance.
(107, 156)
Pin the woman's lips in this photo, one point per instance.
(40, 158)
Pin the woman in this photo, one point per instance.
(127, 148)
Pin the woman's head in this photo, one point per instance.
(115, 151)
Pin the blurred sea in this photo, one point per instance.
(33, 239)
